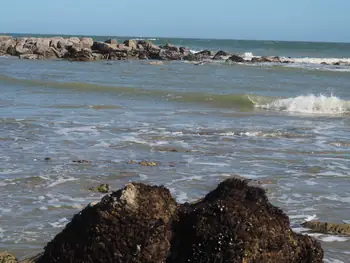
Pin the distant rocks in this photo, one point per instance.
(235, 58)
(88, 49)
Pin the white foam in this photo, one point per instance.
(182, 197)
(60, 223)
(308, 60)
(333, 261)
(333, 239)
(248, 56)
(311, 104)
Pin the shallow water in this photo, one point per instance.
(262, 122)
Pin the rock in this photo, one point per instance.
(148, 163)
(148, 45)
(76, 54)
(191, 57)
(104, 48)
(324, 63)
(82, 161)
(171, 47)
(54, 42)
(131, 43)
(236, 223)
(185, 51)
(6, 42)
(124, 47)
(42, 47)
(142, 223)
(205, 54)
(129, 225)
(74, 41)
(86, 42)
(169, 55)
(328, 228)
(235, 58)
(220, 55)
(266, 59)
(30, 56)
(6, 257)
(102, 188)
(21, 47)
(111, 41)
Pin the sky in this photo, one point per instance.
(299, 20)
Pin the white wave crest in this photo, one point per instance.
(311, 104)
(330, 61)
(248, 56)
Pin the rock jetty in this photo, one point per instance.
(86, 49)
(144, 224)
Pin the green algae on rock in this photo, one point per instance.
(6, 257)
(102, 188)
(328, 228)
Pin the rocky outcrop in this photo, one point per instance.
(130, 225)
(328, 228)
(220, 55)
(235, 58)
(142, 223)
(6, 257)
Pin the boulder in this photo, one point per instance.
(171, 47)
(77, 54)
(131, 43)
(170, 55)
(129, 225)
(104, 48)
(328, 228)
(6, 42)
(266, 59)
(21, 47)
(54, 41)
(142, 223)
(204, 54)
(42, 48)
(74, 41)
(148, 45)
(86, 42)
(185, 51)
(235, 58)
(220, 55)
(124, 47)
(6, 257)
(112, 41)
(236, 223)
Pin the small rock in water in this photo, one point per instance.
(81, 161)
(147, 163)
(102, 188)
(6, 257)
(48, 159)
(328, 228)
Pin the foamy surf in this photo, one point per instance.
(310, 104)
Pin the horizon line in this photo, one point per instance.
(177, 37)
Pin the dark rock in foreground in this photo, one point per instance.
(144, 224)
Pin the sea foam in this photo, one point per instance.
(311, 104)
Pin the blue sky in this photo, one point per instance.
(313, 20)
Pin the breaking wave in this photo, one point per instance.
(311, 104)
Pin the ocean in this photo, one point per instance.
(287, 125)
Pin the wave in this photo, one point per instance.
(311, 104)
(305, 60)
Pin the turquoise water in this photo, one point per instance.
(286, 125)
